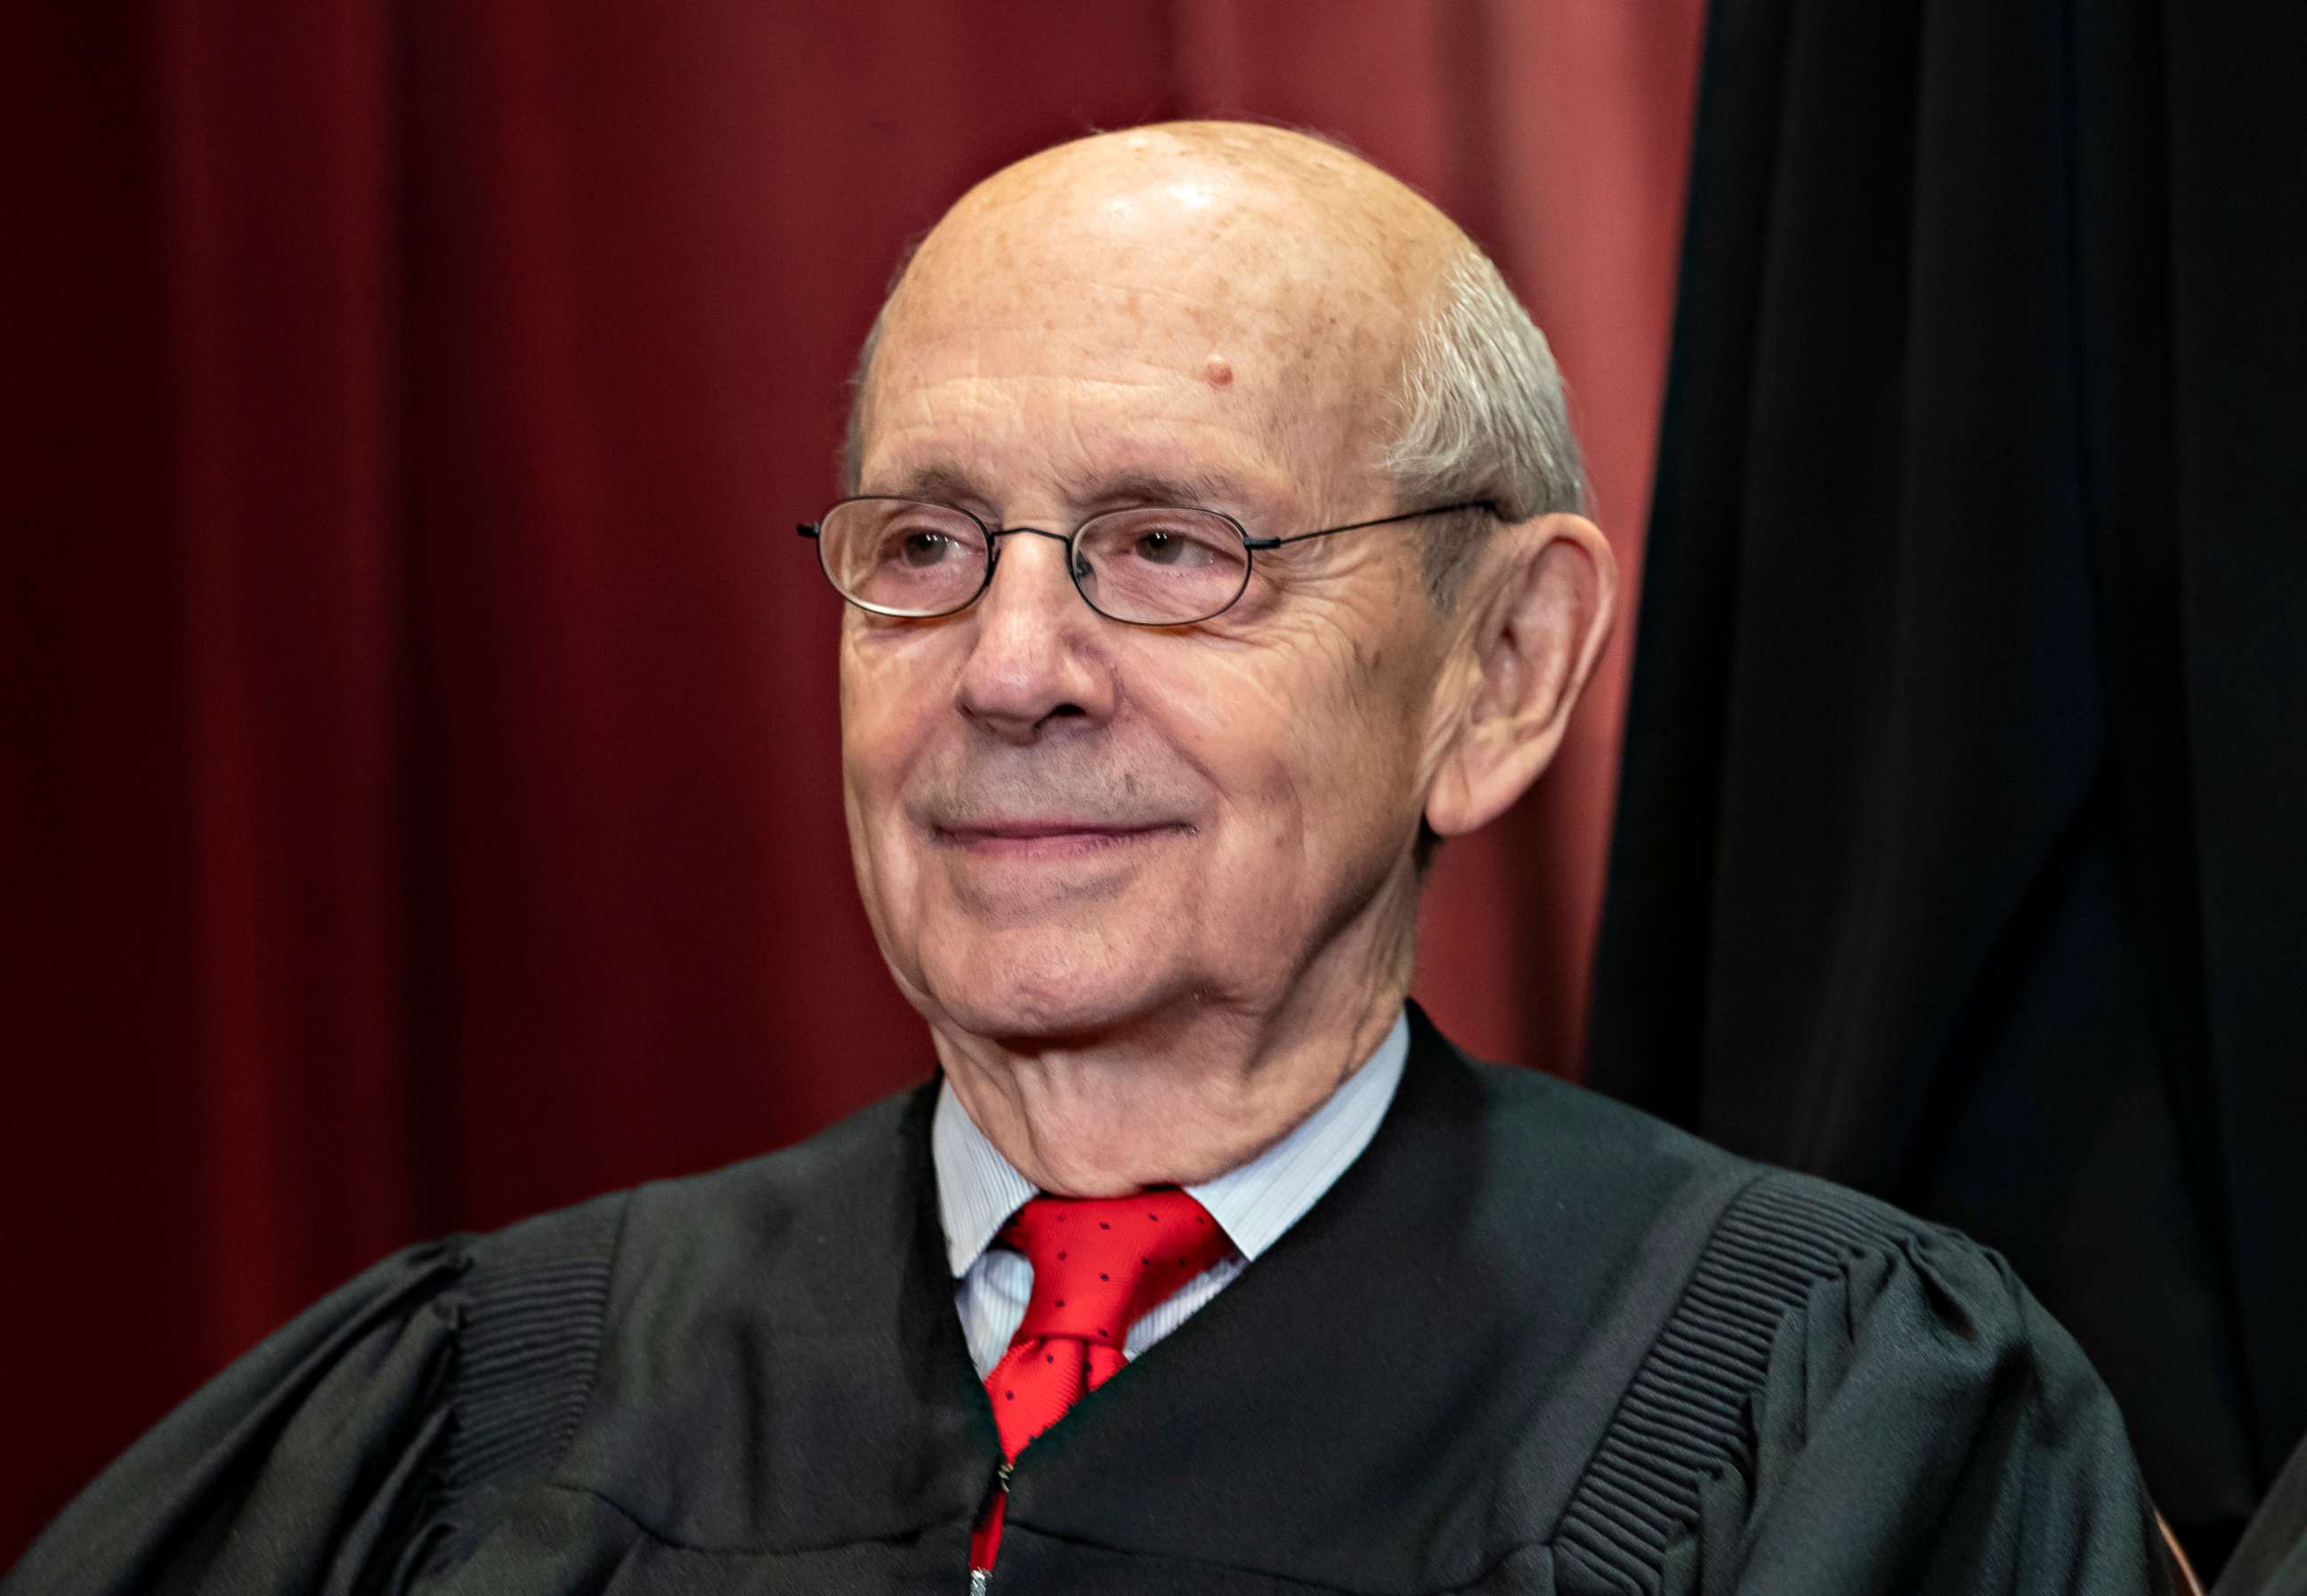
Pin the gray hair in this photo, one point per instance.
(1484, 418)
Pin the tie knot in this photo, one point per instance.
(1101, 1264)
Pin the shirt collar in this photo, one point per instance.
(978, 1189)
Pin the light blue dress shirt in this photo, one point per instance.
(978, 1191)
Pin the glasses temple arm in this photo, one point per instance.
(1384, 520)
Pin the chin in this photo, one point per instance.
(1049, 984)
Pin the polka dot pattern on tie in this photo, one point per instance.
(1100, 1265)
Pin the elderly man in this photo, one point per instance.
(1211, 550)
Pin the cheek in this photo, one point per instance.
(1226, 718)
(1304, 752)
(883, 731)
(884, 726)
(1346, 757)
(888, 691)
(871, 743)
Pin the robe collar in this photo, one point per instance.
(978, 1189)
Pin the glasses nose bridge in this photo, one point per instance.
(993, 546)
(993, 538)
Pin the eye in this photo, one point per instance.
(919, 548)
(1160, 545)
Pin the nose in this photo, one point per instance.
(1036, 660)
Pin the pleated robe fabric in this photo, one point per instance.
(1532, 1341)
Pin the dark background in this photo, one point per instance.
(421, 799)
(1966, 752)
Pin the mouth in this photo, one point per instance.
(1051, 838)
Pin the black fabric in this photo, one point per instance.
(1531, 1341)
(2271, 1558)
(1682, 1419)
(1959, 855)
(527, 1344)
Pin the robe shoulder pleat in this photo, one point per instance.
(364, 1440)
(1848, 1398)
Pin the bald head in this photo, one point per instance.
(1376, 342)
(1230, 186)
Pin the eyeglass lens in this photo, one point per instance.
(1152, 566)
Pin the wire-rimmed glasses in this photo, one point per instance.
(1151, 565)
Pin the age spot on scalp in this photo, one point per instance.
(1217, 370)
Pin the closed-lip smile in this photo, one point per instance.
(1049, 835)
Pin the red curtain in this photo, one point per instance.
(420, 743)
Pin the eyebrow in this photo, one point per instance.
(953, 483)
(948, 483)
(1206, 489)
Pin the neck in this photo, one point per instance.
(1181, 1096)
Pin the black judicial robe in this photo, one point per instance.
(1532, 1341)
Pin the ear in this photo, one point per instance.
(1542, 611)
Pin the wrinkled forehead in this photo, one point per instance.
(1150, 307)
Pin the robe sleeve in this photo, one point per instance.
(305, 1467)
(1923, 1425)
(372, 1432)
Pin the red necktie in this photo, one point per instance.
(1099, 1266)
